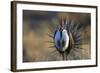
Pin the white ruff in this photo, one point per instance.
(66, 38)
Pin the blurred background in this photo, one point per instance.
(38, 29)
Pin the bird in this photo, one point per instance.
(66, 37)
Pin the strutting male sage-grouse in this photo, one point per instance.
(66, 37)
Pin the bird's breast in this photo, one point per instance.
(61, 40)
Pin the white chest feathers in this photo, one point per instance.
(61, 40)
